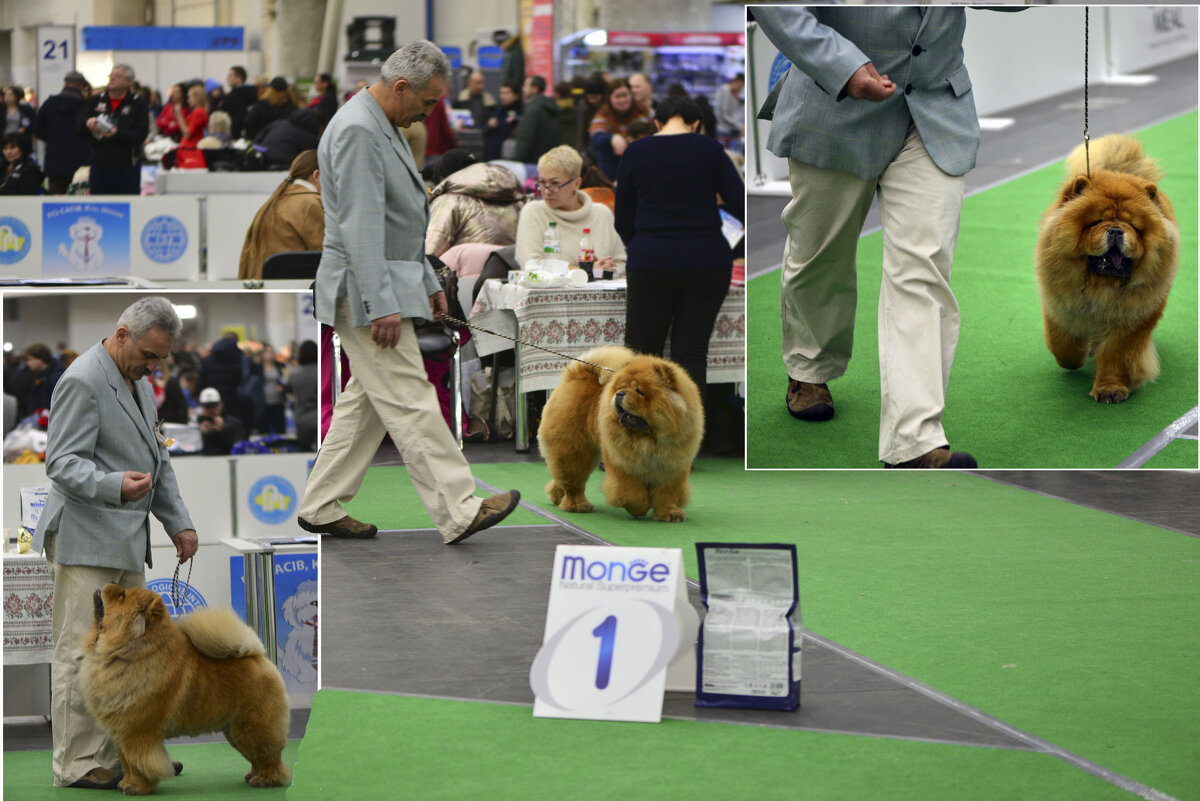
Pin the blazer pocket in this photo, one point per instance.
(960, 81)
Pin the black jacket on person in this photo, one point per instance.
(220, 443)
(174, 408)
(224, 369)
(66, 149)
(262, 114)
(124, 148)
(236, 104)
(538, 130)
(25, 178)
(286, 139)
(328, 104)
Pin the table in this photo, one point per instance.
(28, 600)
(573, 320)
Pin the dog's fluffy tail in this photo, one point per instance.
(1115, 153)
(220, 634)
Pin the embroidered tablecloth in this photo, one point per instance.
(28, 598)
(576, 319)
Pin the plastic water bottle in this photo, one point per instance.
(587, 254)
(551, 243)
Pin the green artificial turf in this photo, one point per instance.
(1008, 403)
(423, 748)
(211, 771)
(1074, 625)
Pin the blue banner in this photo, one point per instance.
(149, 37)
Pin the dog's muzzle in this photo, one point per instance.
(1114, 263)
(628, 419)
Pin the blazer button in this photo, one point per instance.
(916, 51)
(908, 89)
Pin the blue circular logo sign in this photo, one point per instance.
(14, 240)
(164, 239)
(272, 500)
(191, 601)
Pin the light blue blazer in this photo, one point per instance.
(97, 431)
(376, 213)
(918, 48)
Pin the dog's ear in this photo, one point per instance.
(153, 612)
(1151, 190)
(1074, 188)
(665, 375)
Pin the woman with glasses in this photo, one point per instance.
(668, 190)
(564, 203)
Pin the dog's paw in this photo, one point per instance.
(670, 515)
(575, 506)
(1110, 394)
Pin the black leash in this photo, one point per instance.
(1087, 156)
(457, 321)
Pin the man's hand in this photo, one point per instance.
(867, 84)
(438, 305)
(134, 486)
(608, 264)
(186, 543)
(385, 332)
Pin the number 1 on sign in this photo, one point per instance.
(607, 632)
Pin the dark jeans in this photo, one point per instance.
(119, 181)
(687, 303)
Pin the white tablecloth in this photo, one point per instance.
(28, 599)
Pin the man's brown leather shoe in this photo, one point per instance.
(940, 458)
(345, 526)
(491, 512)
(810, 402)
(98, 779)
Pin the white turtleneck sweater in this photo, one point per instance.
(536, 217)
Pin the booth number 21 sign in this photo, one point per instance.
(615, 622)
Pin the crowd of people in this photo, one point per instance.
(115, 128)
(230, 390)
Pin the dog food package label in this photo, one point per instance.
(33, 501)
(748, 653)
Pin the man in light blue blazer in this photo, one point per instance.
(372, 283)
(877, 103)
(109, 471)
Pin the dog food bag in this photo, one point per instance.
(33, 501)
(748, 654)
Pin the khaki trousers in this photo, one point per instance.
(920, 207)
(389, 392)
(79, 742)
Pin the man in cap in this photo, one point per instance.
(219, 431)
(66, 148)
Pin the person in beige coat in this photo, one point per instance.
(291, 219)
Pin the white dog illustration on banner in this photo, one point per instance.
(85, 252)
(299, 657)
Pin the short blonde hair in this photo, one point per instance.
(563, 157)
(220, 122)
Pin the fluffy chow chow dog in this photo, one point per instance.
(147, 678)
(1106, 257)
(645, 420)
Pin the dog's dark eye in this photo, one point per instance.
(638, 391)
(1093, 224)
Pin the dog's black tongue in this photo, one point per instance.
(98, 603)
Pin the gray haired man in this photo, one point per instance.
(117, 121)
(372, 283)
(109, 471)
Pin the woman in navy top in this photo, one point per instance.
(679, 262)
